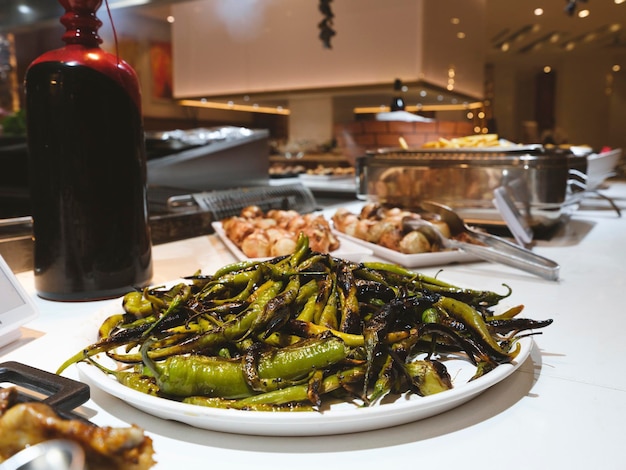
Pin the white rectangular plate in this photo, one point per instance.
(348, 250)
(309, 177)
(411, 260)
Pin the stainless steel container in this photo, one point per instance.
(546, 187)
(217, 158)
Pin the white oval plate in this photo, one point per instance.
(338, 419)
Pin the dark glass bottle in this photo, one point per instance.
(87, 167)
(397, 102)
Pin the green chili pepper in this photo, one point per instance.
(428, 377)
(214, 376)
(131, 379)
(299, 393)
(135, 304)
(474, 321)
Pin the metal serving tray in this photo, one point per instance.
(545, 187)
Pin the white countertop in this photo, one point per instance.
(564, 408)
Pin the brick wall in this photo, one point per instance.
(354, 138)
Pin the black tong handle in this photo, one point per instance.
(62, 393)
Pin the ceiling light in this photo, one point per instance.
(616, 68)
(455, 20)
(170, 19)
(547, 69)
(618, 2)
(460, 35)
(24, 9)
(583, 13)
(231, 106)
(538, 11)
(423, 107)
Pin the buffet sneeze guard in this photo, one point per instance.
(227, 203)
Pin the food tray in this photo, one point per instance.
(547, 187)
(348, 250)
(416, 260)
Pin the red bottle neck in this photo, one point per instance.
(83, 47)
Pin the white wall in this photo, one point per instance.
(247, 46)
(225, 46)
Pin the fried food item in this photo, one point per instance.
(390, 227)
(26, 424)
(263, 235)
(470, 141)
(331, 171)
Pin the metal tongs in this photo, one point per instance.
(492, 248)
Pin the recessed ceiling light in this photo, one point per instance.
(547, 69)
(617, 2)
(616, 68)
(455, 20)
(538, 11)
(583, 13)
(460, 35)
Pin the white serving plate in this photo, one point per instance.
(339, 418)
(411, 260)
(348, 250)
(320, 178)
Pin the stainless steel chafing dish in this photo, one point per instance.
(545, 187)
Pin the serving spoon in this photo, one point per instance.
(490, 247)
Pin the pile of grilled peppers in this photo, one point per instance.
(303, 331)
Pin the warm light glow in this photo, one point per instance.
(538, 11)
(616, 68)
(619, 2)
(505, 46)
(127, 3)
(547, 69)
(481, 115)
(583, 13)
(170, 19)
(589, 37)
(460, 35)
(422, 107)
(570, 46)
(470, 115)
(203, 103)
(455, 20)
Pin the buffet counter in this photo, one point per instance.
(564, 407)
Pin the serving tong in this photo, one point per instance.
(489, 247)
